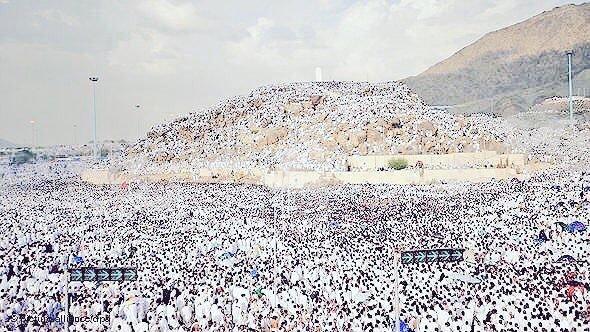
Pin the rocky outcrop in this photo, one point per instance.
(308, 126)
(273, 135)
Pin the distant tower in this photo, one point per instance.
(318, 74)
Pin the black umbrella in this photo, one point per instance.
(562, 225)
(543, 236)
(576, 283)
(566, 258)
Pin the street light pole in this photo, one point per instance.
(74, 135)
(138, 119)
(94, 81)
(569, 65)
(33, 143)
(397, 260)
(67, 322)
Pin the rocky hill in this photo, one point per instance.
(525, 60)
(304, 126)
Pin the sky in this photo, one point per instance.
(172, 57)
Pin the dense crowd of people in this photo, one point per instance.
(240, 257)
(220, 257)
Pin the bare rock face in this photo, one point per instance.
(294, 108)
(409, 149)
(374, 137)
(330, 145)
(273, 135)
(363, 150)
(427, 127)
(186, 135)
(493, 145)
(341, 137)
(316, 100)
(357, 138)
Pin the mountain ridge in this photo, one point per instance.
(520, 58)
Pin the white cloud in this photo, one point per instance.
(174, 17)
(146, 52)
(262, 24)
(425, 8)
(367, 39)
(59, 16)
(378, 39)
(261, 46)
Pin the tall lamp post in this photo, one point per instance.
(74, 135)
(33, 143)
(94, 81)
(570, 53)
(138, 119)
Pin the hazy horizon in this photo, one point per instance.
(172, 57)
